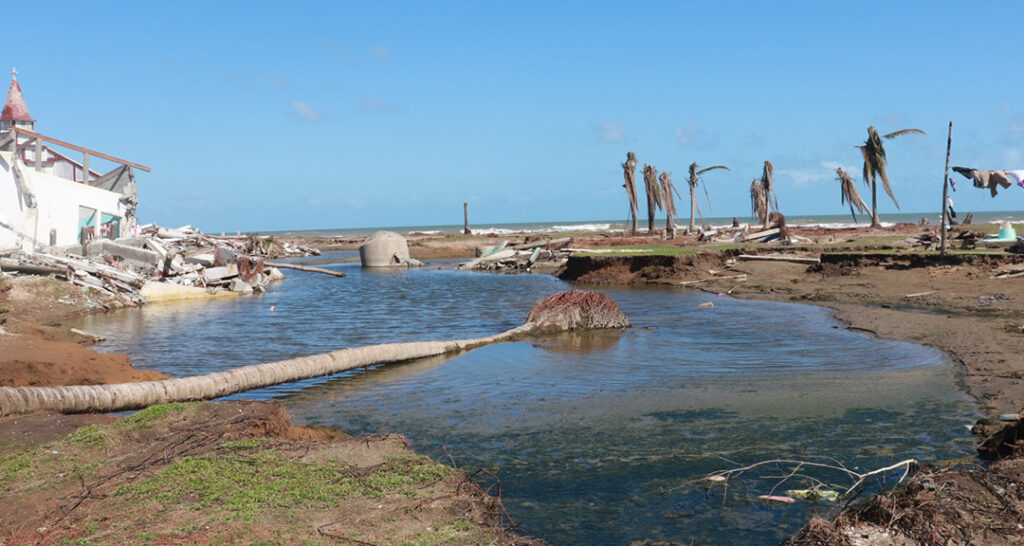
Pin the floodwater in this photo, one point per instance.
(598, 438)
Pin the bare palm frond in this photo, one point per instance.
(895, 134)
(706, 169)
(629, 172)
(758, 201)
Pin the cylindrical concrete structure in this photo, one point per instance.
(384, 249)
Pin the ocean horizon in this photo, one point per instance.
(831, 221)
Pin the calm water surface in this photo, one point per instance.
(594, 437)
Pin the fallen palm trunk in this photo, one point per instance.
(563, 311)
(305, 268)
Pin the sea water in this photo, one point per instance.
(597, 438)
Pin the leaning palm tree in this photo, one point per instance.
(629, 172)
(849, 193)
(875, 164)
(762, 192)
(653, 195)
(669, 203)
(558, 312)
(695, 173)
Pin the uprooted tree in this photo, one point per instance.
(572, 310)
(669, 202)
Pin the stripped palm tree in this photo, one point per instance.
(762, 193)
(558, 312)
(653, 195)
(875, 164)
(695, 177)
(629, 172)
(849, 193)
(669, 203)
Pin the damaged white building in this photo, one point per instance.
(48, 199)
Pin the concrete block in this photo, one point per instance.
(130, 253)
(384, 249)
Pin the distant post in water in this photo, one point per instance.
(945, 192)
(465, 218)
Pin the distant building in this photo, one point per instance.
(48, 199)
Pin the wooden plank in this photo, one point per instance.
(760, 235)
(80, 149)
(305, 268)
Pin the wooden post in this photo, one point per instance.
(945, 192)
(465, 218)
(39, 155)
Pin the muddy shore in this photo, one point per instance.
(872, 284)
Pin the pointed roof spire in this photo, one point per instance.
(15, 108)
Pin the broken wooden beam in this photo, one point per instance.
(305, 268)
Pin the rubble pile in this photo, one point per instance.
(544, 255)
(157, 261)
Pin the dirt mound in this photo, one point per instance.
(576, 309)
(228, 472)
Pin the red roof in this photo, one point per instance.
(14, 107)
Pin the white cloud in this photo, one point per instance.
(827, 171)
(694, 136)
(377, 106)
(611, 132)
(306, 111)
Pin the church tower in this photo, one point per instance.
(15, 111)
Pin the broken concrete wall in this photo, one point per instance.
(55, 220)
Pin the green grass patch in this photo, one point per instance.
(147, 417)
(10, 467)
(91, 436)
(461, 532)
(239, 484)
(657, 249)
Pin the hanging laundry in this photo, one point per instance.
(949, 204)
(986, 179)
(952, 183)
(1017, 175)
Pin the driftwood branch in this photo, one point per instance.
(799, 469)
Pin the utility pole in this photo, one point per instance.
(945, 192)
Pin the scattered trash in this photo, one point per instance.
(992, 299)
(1009, 416)
(706, 305)
(814, 494)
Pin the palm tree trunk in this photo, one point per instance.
(874, 205)
(693, 204)
(126, 396)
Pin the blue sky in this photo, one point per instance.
(291, 115)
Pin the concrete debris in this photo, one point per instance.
(160, 259)
(547, 255)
